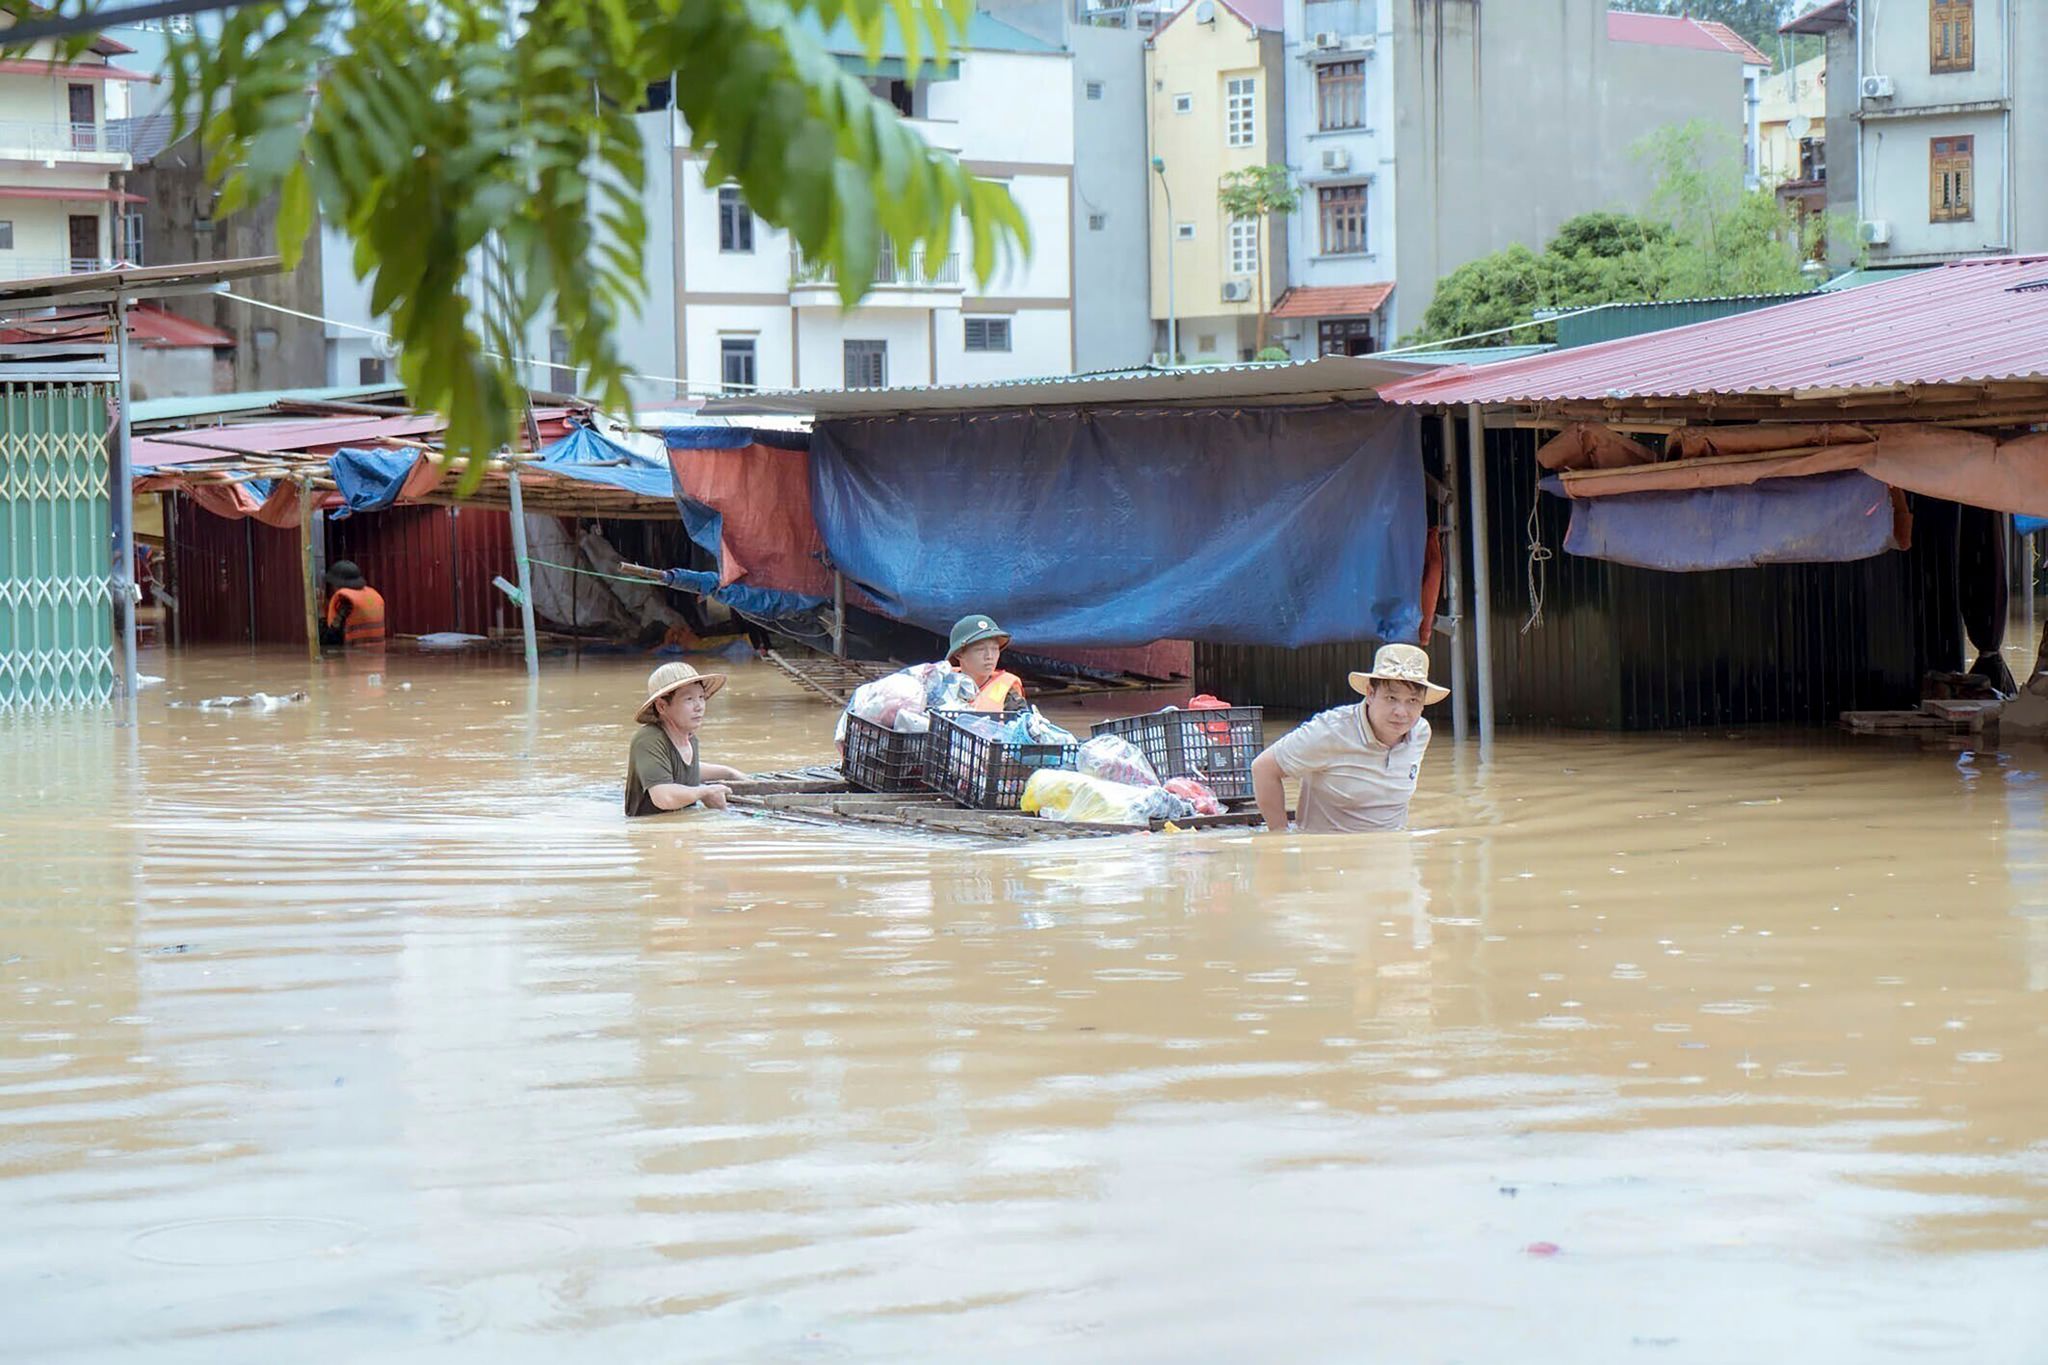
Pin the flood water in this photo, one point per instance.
(366, 1029)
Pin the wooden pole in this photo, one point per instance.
(308, 574)
(1454, 570)
(838, 614)
(518, 515)
(1482, 592)
(122, 502)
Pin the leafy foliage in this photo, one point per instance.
(1257, 193)
(484, 160)
(1702, 236)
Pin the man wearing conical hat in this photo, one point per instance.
(1357, 764)
(666, 769)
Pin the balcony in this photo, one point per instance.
(899, 281)
(15, 267)
(50, 143)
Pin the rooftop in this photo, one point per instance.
(1673, 30)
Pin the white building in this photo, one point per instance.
(750, 312)
(61, 206)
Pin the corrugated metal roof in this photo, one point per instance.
(1828, 16)
(256, 400)
(1613, 320)
(1965, 322)
(1297, 381)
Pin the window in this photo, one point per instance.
(867, 364)
(1951, 35)
(1097, 221)
(1206, 344)
(988, 334)
(1342, 208)
(736, 364)
(1340, 95)
(1183, 104)
(1184, 232)
(899, 94)
(660, 94)
(1244, 246)
(1344, 336)
(370, 370)
(132, 238)
(735, 221)
(1813, 158)
(1094, 89)
(1949, 180)
(1240, 111)
(562, 375)
(6, 234)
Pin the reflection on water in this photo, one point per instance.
(366, 1028)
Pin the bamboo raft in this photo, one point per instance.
(821, 795)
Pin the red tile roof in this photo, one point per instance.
(1671, 30)
(1253, 14)
(155, 327)
(1965, 322)
(1332, 301)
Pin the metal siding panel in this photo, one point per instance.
(433, 565)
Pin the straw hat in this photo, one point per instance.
(1401, 663)
(667, 679)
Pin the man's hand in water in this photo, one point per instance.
(714, 795)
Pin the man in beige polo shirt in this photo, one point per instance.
(1357, 765)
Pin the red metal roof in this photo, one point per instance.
(1671, 30)
(1332, 301)
(1965, 322)
(1820, 20)
(155, 327)
(73, 71)
(148, 326)
(101, 195)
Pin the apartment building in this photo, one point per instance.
(63, 159)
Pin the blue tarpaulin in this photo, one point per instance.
(1269, 526)
(585, 455)
(767, 603)
(732, 438)
(2026, 526)
(369, 480)
(1821, 519)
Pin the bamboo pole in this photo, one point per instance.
(309, 583)
(1454, 570)
(518, 517)
(1482, 591)
(122, 503)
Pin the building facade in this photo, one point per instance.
(1215, 101)
(1792, 136)
(1428, 133)
(63, 159)
(1937, 112)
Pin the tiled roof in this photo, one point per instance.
(1672, 30)
(1332, 301)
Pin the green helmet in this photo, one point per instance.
(972, 630)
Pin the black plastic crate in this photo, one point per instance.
(1216, 746)
(881, 760)
(987, 774)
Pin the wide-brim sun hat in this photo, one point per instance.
(667, 679)
(1401, 663)
(972, 630)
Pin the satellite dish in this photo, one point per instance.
(1205, 11)
(1799, 125)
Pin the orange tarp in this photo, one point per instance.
(763, 494)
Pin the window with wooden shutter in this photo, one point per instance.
(1951, 35)
(1950, 180)
(1340, 95)
(1342, 210)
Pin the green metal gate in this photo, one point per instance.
(56, 616)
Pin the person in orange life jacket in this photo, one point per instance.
(355, 611)
(976, 649)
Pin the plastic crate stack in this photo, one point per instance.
(986, 774)
(1215, 746)
(881, 760)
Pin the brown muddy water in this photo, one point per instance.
(366, 1029)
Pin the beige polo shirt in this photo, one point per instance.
(1349, 780)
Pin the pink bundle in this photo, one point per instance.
(1196, 794)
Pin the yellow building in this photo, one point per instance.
(1792, 108)
(1214, 85)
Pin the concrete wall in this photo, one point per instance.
(1511, 119)
(180, 371)
(180, 223)
(1112, 286)
(1196, 59)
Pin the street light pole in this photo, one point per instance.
(1172, 322)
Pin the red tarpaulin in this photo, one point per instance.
(764, 496)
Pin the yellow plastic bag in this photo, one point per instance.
(1057, 794)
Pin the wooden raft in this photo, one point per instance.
(1935, 717)
(819, 795)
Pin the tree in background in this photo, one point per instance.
(482, 157)
(1703, 235)
(1257, 193)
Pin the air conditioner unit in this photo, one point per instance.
(1877, 87)
(1360, 42)
(1237, 291)
(1875, 232)
(1336, 160)
(1329, 42)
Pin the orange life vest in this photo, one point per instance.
(995, 694)
(363, 621)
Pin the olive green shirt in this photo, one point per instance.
(653, 761)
